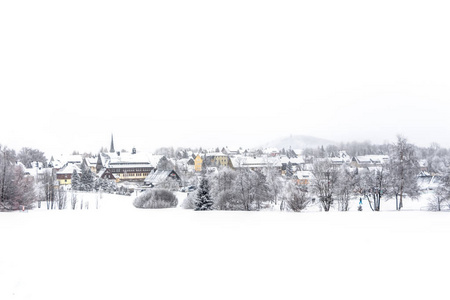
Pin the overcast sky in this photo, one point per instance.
(207, 73)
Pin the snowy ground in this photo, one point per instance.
(120, 252)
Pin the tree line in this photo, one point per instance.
(244, 189)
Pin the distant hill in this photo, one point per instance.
(298, 142)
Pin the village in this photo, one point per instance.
(121, 170)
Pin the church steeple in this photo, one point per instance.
(111, 150)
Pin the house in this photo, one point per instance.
(256, 163)
(64, 176)
(37, 170)
(217, 159)
(369, 161)
(198, 163)
(303, 177)
(107, 175)
(126, 166)
(168, 179)
(91, 163)
(296, 162)
(60, 162)
(231, 151)
(186, 165)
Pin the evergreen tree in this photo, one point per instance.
(87, 179)
(203, 200)
(76, 180)
(289, 170)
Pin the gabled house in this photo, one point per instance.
(217, 159)
(91, 163)
(303, 177)
(107, 175)
(64, 176)
(198, 163)
(256, 163)
(163, 178)
(126, 166)
(367, 161)
(186, 165)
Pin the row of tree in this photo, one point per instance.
(244, 189)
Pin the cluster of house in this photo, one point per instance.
(147, 168)
(301, 167)
(114, 166)
(143, 167)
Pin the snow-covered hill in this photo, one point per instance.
(120, 252)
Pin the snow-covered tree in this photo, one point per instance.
(441, 195)
(76, 180)
(87, 179)
(346, 185)
(297, 199)
(274, 183)
(374, 185)
(203, 200)
(165, 164)
(404, 168)
(324, 183)
(16, 189)
(289, 170)
(156, 198)
(222, 189)
(28, 155)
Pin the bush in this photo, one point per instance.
(156, 198)
(189, 202)
(297, 200)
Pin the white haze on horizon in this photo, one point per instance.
(213, 74)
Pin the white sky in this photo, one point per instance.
(217, 73)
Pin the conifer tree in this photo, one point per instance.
(75, 180)
(289, 170)
(87, 179)
(203, 200)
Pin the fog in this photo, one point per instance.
(234, 73)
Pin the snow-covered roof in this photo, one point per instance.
(125, 160)
(157, 177)
(304, 175)
(68, 169)
(372, 159)
(102, 171)
(293, 160)
(91, 161)
(255, 162)
(215, 154)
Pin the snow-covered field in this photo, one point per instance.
(119, 252)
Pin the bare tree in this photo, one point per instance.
(324, 183)
(29, 155)
(17, 190)
(346, 186)
(373, 185)
(73, 200)
(404, 168)
(441, 194)
(61, 198)
(297, 199)
(274, 183)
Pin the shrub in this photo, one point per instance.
(156, 198)
(189, 202)
(297, 200)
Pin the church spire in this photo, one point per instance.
(112, 145)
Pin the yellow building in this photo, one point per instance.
(64, 176)
(217, 159)
(198, 163)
